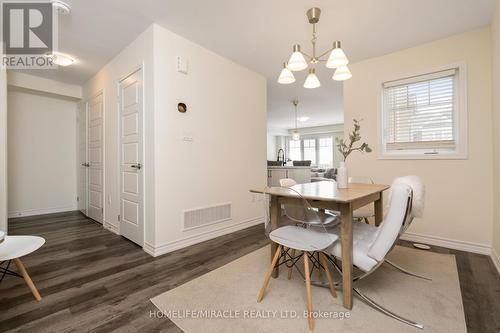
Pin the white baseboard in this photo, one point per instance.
(496, 259)
(41, 211)
(448, 243)
(198, 238)
(111, 227)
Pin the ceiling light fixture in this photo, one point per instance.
(303, 119)
(295, 132)
(342, 73)
(297, 62)
(62, 59)
(61, 7)
(286, 75)
(312, 80)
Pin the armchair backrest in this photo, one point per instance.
(394, 222)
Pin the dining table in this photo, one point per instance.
(325, 195)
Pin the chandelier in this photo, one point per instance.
(337, 59)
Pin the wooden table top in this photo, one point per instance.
(326, 191)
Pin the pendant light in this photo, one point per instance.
(312, 80)
(337, 57)
(297, 61)
(286, 76)
(342, 73)
(295, 132)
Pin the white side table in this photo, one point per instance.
(15, 247)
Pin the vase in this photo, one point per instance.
(342, 177)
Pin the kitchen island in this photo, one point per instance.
(301, 174)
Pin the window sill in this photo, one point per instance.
(455, 156)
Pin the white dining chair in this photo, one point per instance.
(371, 244)
(287, 182)
(366, 212)
(12, 248)
(309, 238)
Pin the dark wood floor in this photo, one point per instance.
(93, 280)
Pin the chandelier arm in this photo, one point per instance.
(306, 55)
(326, 52)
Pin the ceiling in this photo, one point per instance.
(259, 34)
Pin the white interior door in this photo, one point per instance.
(82, 158)
(131, 157)
(95, 158)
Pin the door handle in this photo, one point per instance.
(137, 166)
(86, 164)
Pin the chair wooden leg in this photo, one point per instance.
(27, 279)
(324, 263)
(268, 274)
(290, 269)
(367, 221)
(310, 318)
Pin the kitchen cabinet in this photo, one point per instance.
(300, 174)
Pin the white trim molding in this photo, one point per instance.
(496, 259)
(198, 238)
(41, 211)
(111, 227)
(448, 243)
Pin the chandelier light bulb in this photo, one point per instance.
(296, 135)
(342, 73)
(337, 57)
(297, 61)
(312, 80)
(286, 76)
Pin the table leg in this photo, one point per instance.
(379, 210)
(346, 241)
(274, 215)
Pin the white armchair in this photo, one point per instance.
(372, 244)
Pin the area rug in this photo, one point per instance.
(224, 300)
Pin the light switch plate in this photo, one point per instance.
(182, 65)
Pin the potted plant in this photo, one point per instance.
(346, 147)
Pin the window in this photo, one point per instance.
(310, 150)
(294, 150)
(421, 116)
(319, 149)
(326, 151)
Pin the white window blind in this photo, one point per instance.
(419, 112)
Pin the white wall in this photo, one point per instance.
(459, 204)
(136, 54)
(336, 128)
(40, 84)
(495, 29)
(227, 119)
(3, 146)
(41, 154)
